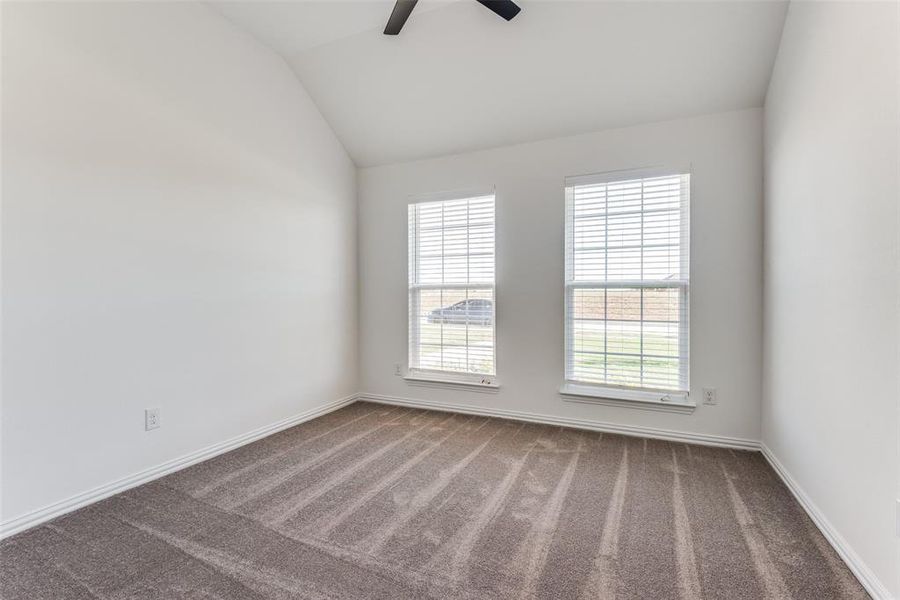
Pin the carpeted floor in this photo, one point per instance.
(375, 501)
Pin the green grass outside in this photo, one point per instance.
(622, 370)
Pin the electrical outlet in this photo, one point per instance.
(397, 369)
(709, 396)
(151, 419)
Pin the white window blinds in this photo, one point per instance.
(627, 281)
(451, 286)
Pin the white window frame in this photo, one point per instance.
(432, 377)
(643, 397)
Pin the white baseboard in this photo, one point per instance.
(866, 577)
(633, 430)
(23, 522)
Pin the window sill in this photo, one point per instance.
(676, 402)
(487, 384)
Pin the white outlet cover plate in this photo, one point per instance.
(151, 419)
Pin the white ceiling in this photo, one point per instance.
(459, 78)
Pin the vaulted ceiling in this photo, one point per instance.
(459, 78)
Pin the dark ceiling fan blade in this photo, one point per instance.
(505, 8)
(399, 15)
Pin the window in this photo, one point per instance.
(451, 286)
(627, 283)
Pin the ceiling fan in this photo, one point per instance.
(402, 9)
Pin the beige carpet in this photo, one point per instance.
(375, 501)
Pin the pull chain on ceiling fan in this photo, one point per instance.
(402, 9)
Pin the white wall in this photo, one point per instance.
(178, 231)
(725, 151)
(832, 317)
